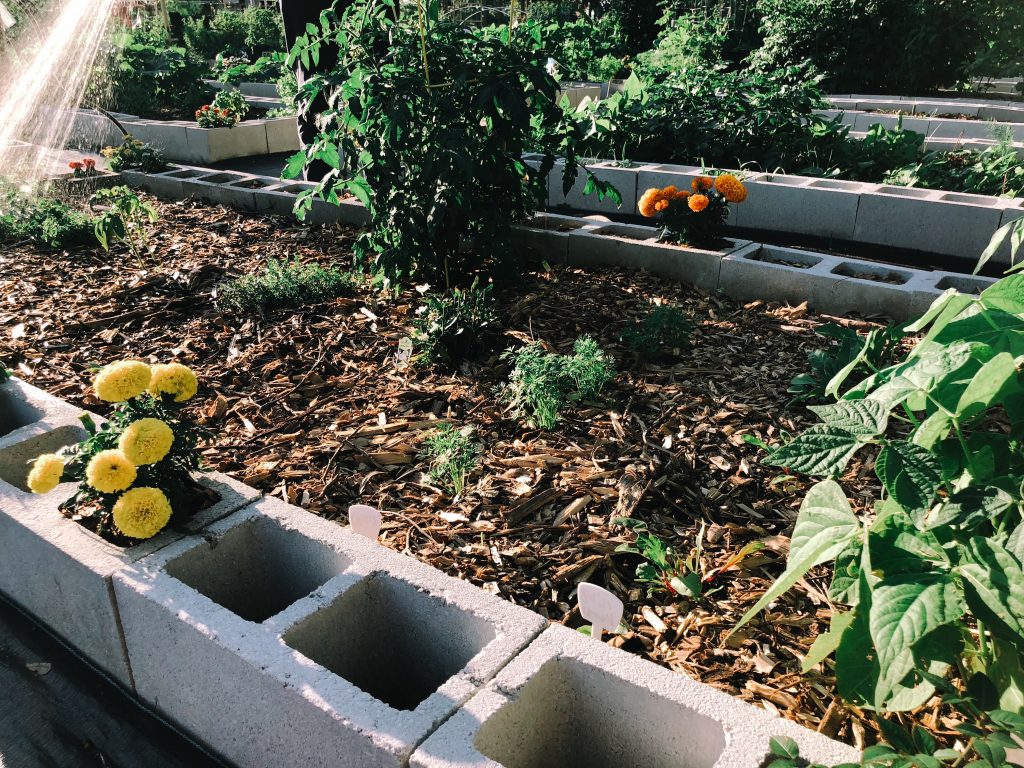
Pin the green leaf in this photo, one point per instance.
(824, 527)
(970, 507)
(827, 642)
(1000, 237)
(294, 167)
(904, 610)
(821, 450)
(994, 587)
(861, 418)
(689, 585)
(1007, 295)
(987, 385)
(784, 746)
(910, 474)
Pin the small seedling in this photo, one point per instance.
(123, 218)
(663, 569)
(452, 455)
(664, 329)
(286, 284)
(452, 327)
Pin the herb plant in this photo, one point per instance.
(452, 327)
(428, 129)
(663, 329)
(933, 575)
(542, 384)
(453, 456)
(45, 220)
(286, 285)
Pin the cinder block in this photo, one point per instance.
(60, 572)
(971, 129)
(214, 144)
(171, 138)
(282, 135)
(819, 207)
(234, 190)
(569, 700)
(930, 285)
(634, 247)
(865, 120)
(25, 410)
(934, 222)
(623, 179)
(260, 90)
(1009, 114)
(298, 643)
(827, 283)
(546, 236)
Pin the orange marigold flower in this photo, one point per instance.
(702, 183)
(731, 188)
(661, 205)
(698, 203)
(648, 202)
(681, 194)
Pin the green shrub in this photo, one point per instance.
(542, 384)
(452, 327)
(832, 152)
(157, 83)
(433, 137)
(44, 220)
(286, 285)
(662, 330)
(452, 455)
(264, 30)
(691, 41)
(578, 45)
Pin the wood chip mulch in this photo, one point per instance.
(314, 406)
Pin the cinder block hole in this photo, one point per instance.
(972, 199)
(184, 174)
(15, 459)
(556, 224)
(786, 181)
(628, 232)
(14, 411)
(906, 192)
(845, 186)
(785, 258)
(572, 713)
(258, 568)
(964, 284)
(391, 640)
(294, 189)
(877, 274)
(221, 178)
(250, 184)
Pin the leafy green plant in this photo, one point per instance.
(933, 575)
(453, 456)
(691, 40)
(286, 285)
(663, 569)
(996, 170)
(132, 155)
(542, 384)
(5, 373)
(662, 330)
(849, 355)
(431, 138)
(45, 220)
(123, 217)
(158, 83)
(452, 326)
(227, 110)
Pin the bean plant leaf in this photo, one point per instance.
(987, 385)
(1007, 295)
(861, 418)
(904, 610)
(994, 587)
(827, 642)
(824, 527)
(910, 474)
(969, 507)
(821, 450)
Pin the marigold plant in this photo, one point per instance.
(695, 217)
(136, 472)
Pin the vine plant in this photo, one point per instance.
(933, 576)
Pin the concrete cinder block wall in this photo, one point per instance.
(366, 652)
(568, 700)
(624, 179)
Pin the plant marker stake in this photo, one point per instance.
(600, 607)
(365, 521)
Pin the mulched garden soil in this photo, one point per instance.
(314, 406)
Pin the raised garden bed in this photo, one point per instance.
(311, 406)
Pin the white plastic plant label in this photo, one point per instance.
(600, 607)
(365, 520)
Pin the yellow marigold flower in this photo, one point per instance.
(702, 183)
(142, 513)
(146, 441)
(661, 205)
(698, 203)
(122, 381)
(110, 472)
(174, 379)
(648, 202)
(732, 188)
(46, 473)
